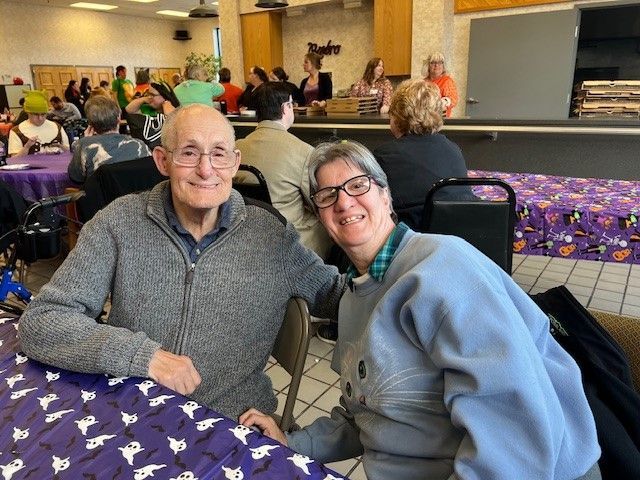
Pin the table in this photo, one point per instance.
(49, 179)
(64, 425)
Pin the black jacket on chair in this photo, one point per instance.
(413, 163)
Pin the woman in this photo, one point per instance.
(196, 89)
(279, 75)
(85, 88)
(72, 95)
(257, 76)
(420, 155)
(448, 369)
(433, 71)
(374, 83)
(317, 87)
(142, 82)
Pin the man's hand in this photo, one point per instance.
(265, 423)
(174, 371)
(32, 141)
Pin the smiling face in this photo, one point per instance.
(199, 190)
(359, 225)
(379, 70)
(436, 69)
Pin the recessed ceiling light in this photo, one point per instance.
(143, 1)
(93, 6)
(173, 13)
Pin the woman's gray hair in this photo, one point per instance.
(195, 72)
(353, 153)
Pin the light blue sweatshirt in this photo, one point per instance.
(448, 371)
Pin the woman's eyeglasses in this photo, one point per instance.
(354, 187)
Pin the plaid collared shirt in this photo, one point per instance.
(381, 263)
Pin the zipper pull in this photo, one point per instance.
(189, 278)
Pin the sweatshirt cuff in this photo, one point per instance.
(299, 441)
(140, 362)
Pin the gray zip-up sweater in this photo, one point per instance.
(224, 311)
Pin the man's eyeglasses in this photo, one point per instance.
(354, 187)
(191, 157)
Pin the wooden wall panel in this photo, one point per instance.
(261, 40)
(465, 6)
(392, 21)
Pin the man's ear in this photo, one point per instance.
(238, 161)
(160, 159)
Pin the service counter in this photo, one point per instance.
(573, 148)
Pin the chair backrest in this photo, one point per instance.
(290, 350)
(114, 180)
(487, 225)
(257, 191)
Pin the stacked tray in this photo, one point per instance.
(608, 99)
(354, 105)
(309, 111)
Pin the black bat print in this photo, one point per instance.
(128, 433)
(103, 426)
(90, 457)
(28, 474)
(159, 428)
(135, 400)
(205, 438)
(77, 384)
(32, 416)
(71, 442)
(181, 424)
(46, 446)
(86, 409)
(151, 453)
(179, 463)
(117, 474)
(90, 476)
(114, 404)
(211, 455)
(263, 468)
(155, 413)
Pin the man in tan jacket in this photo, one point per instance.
(283, 160)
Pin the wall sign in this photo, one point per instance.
(327, 49)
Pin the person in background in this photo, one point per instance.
(283, 160)
(100, 91)
(419, 156)
(62, 112)
(85, 89)
(104, 84)
(232, 93)
(236, 264)
(196, 88)
(176, 78)
(148, 128)
(448, 369)
(142, 82)
(433, 70)
(22, 116)
(257, 76)
(72, 95)
(37, 134)
(102, 143)
(279, 75)
(121, 87)
(374, 83)
(317, 87)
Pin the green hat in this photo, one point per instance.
(35, 101)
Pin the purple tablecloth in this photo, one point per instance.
(588, 218)
(62, 425)
(49, 180)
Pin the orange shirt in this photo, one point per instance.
(231, 95)
(447, 89)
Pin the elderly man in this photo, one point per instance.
(36, 134)
(283, 160)
(102, 143)
(199, 279)
(62, 111)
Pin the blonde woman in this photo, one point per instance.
(374, 83)
(434, 71)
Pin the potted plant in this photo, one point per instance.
(209, 62)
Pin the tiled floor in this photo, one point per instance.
(601, 286)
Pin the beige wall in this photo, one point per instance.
(352, 28)
(48, 35)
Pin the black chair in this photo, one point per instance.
(114, 180)
(256, 189)
(487, 225)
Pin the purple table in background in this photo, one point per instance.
(49, 180)
(586, 218)
(62, 425)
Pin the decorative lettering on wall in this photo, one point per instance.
(327, 49)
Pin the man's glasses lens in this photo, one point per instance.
(190, 157)
(353, 187)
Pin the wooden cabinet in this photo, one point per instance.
(261, 40)
(392, 34)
